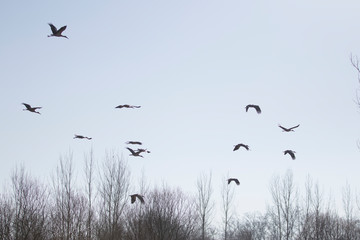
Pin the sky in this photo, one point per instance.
(192, 66)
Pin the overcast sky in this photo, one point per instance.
(193, 66)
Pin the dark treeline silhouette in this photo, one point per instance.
(102, 208)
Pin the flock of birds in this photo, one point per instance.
(137, 152)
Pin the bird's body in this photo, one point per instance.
(291, 153)
(134, 153)
(127, 106)
(288, 129)
(257, 108)
(138, 196)
(82, 137)
(237, 146)
(233, 179)
(31, 109)
(134, 142)
(56, 32)
(140, 150)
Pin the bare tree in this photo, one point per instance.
(285, 211)
(113, 197)
(204, 203)
(29, 199)
(6, 216)
(69, 210)
(89, 177)
(227, 195)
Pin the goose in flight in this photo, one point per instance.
(127, 106)
(82, 137)
(142, 150)
(31, 109)
(56, 32)
(138, 196)
(134, 142)
(257, 108)
(288, 129)
(233, 179)
(134, 153)
(291, 153)
(237, 146)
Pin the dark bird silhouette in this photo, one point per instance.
(257, 108)
(127, 106)
(56, 32)
(134, 142)
(134, 153)
(82, 137)
(31, 109)
(291, 153)
(237, 146)
(134, 196)
(142, 150)
(288, 129)
(233, 179)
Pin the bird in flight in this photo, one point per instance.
(142, 150)
(291, 153)
(288, 129)
(257, 108)
(56, 32)
(237, 146)
(134, 196)
(233, 179)
(134, 142)
(134, 153)
(127, 106)
(82, 137)
(31, 109)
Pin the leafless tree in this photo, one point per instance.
(284, 213)
(167, 215)
(29, 206)
(6, 216)
(355, 63)
(113, 197)
(204, 203)
(68, 213)
(89, 178)
(227, 195)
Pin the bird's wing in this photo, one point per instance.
(236, 147)
(285, 129)
(141, 198)
(36, 108)
(258, 109)
(133, 198)
(27, 105)
(295, 126)
(247, 107)
(61, 29)
(237, 181)
(132, 151)
(53, 28)
(292, 154)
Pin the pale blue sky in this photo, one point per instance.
(193, 66)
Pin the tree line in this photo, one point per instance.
(101, 208)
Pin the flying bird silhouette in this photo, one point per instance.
(30, 109)
(233, 179)
(237, 146)
(127, 106)
(140, 150)
(138, 196)
(133, 153)
(134, 142)
(56, 32)
(257, 108)
(291, 153)
(288, 129)
(82, 137)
